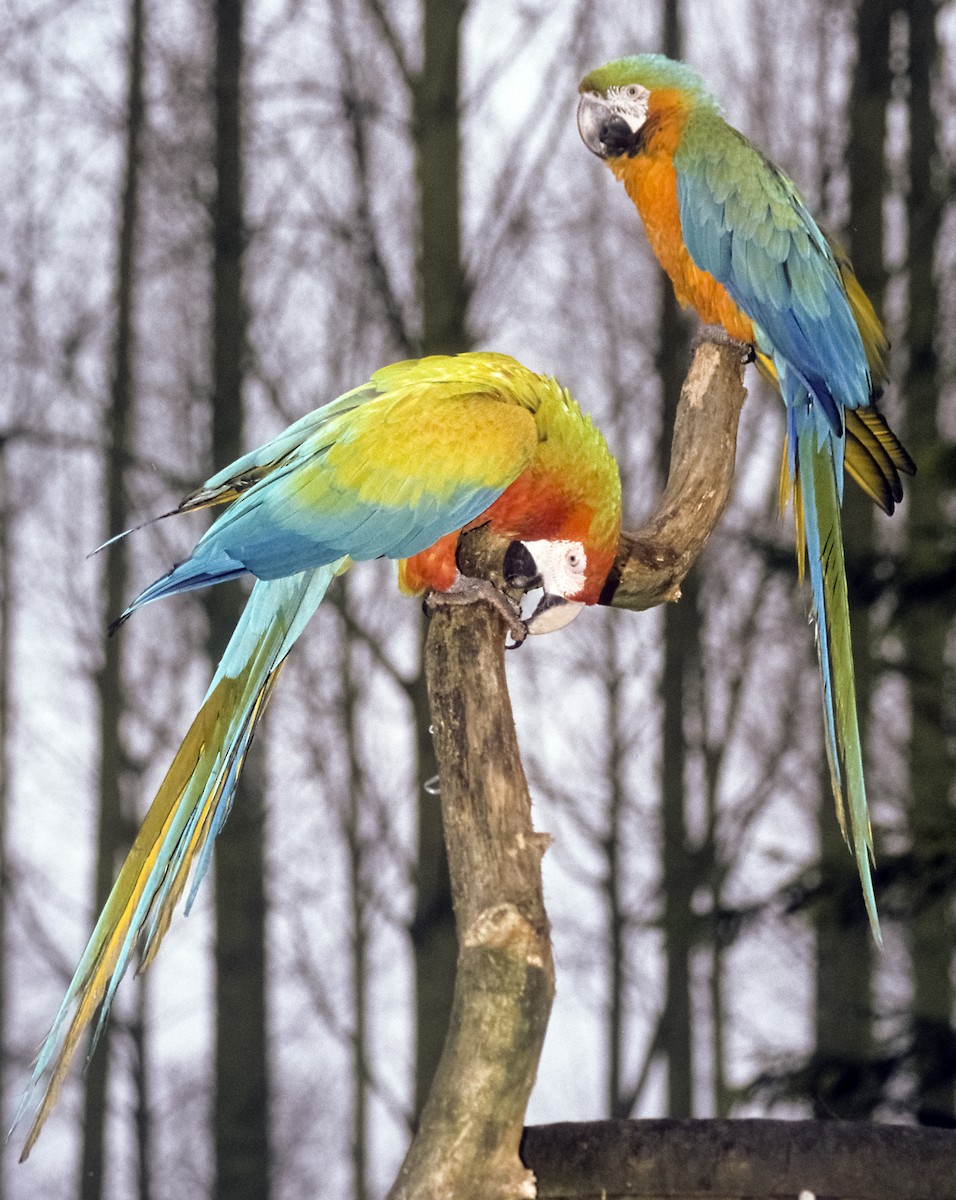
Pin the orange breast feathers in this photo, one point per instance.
(651, 182)
(430, 570)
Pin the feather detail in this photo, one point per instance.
(874, 456)
(182, 823)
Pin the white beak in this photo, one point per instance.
(553, 612)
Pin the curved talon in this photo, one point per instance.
(719, 335)
(519, 632)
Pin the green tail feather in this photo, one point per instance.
(824, 538)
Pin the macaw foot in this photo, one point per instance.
(717, 333)
(466, 591)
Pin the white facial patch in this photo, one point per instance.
(630, 104)
(562, 566)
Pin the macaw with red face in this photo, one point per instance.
(396, 468)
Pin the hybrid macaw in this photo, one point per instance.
(741, 248)
(395, 468)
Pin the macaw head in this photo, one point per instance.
(625, 103)
(563, 573)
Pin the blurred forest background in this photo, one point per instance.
(217, 216)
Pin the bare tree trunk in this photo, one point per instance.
(927, 619)
(471, 1125)
(680, 672)
(28, 234)
(241, 1114)
(6, 664)
(844, 947)
(620, 1099)
(118, 436)
(443, 311)
(681, 669)
(358, 900)
(437, 134)
(143, 1117)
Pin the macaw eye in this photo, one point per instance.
(575, 560)
(632, 91)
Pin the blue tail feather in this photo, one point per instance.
(182, 823)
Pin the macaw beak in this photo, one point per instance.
(521, 570)
(553, 612)
(603, 131)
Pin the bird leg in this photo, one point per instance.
(717, 333)
(466, 590)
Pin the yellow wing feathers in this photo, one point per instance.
(407, 448)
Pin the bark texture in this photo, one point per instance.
(743, 1160)
(119, 420)
(241, 1108)
(927, 608)
(470, 1127)
(679, 681)
(652, 561)
(443, 296)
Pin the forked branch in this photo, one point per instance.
(467, 1145)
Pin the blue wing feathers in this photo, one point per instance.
(744, 223)
(273, 529)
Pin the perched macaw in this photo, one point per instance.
(396, 468)
(741, 248)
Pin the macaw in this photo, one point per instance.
(395, 468)
(741, 248)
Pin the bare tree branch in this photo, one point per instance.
(467, 1144)
(652, 561)
(356, 119)
(392, 40)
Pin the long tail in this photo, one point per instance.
(816, 466)
(182, 823)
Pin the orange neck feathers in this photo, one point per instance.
(651, 182)
(528, 510)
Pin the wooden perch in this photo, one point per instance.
(468, 1139)
(467, 1142)
(741, 1160)
(652, 562)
